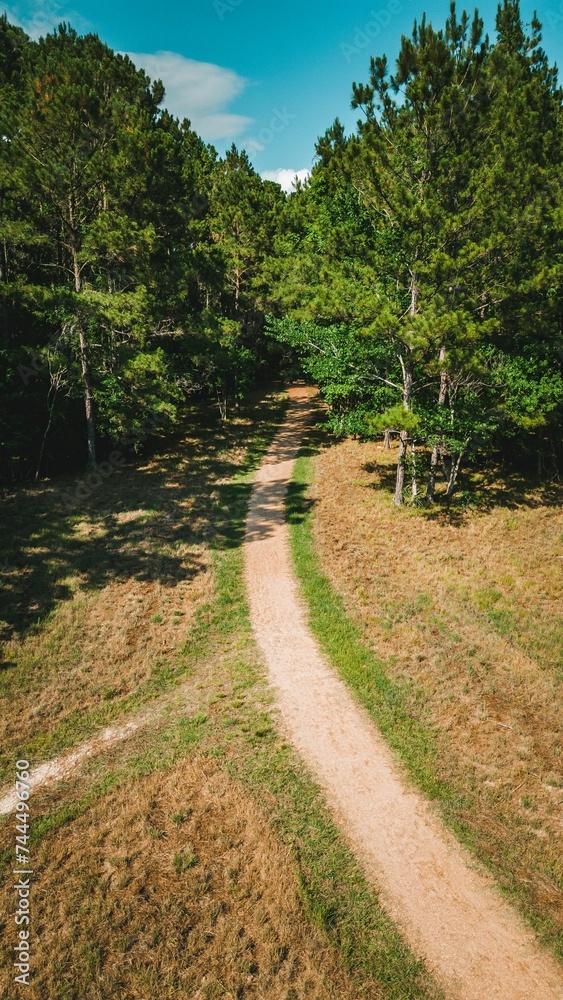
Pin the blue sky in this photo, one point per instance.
(269, 76)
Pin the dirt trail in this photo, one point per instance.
(473, 941)
(62, 767)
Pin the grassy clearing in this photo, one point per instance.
(101, 606)
(445, 626)
(197, 859)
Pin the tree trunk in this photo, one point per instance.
(387, 440)
(88, 401)
(4, 264)
(435, 451)
(222, 401)
(51, 400)
(414, 487)
(456, 465)
(85, 368)
(400, 482)
(431, 485)
(405, 360)
(403, 436)
(43, 443)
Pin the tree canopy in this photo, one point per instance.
(438, 225)
(416, 277)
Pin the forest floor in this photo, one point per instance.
(186, 853)
(451, 913)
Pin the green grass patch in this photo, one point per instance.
(385, 699)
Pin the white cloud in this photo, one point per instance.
(199, 91)
(42, 17)
(286, 178)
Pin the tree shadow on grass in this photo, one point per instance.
(478, 492)
(148, 521)
(298, 506)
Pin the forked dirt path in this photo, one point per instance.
(473, 942)
(62, 767)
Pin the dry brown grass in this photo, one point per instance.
(466, 609)
(97, 601)
(97, 647)
(173, 886)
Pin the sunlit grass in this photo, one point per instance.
(427, 659)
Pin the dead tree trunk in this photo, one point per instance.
(401, 459)
(456, 465)
(431, 486)
(84, 359)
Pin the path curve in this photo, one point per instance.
(474, 943)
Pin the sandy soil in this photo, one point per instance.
(62, 767)
(451, 914)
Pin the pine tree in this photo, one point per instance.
(83, 116)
